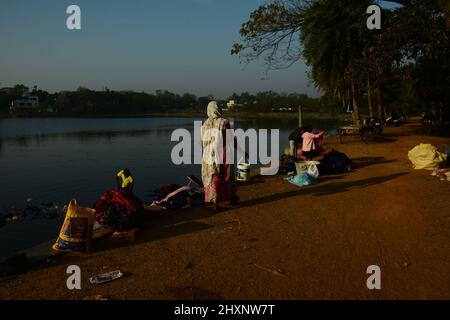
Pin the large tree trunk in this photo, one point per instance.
(381, 114)
(369, 96)
(341, 97)
(355, 114)
(379, 92)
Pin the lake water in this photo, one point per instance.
(55, 160)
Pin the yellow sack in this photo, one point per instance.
(426, 156)
(76, 232)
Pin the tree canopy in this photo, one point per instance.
(350, 62)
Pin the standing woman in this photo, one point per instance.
(217, 169)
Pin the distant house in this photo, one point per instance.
(283, 109)
(25, 103)
(231, 104)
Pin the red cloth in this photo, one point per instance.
(118, 209)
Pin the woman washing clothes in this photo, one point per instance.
(125, 180)
(309, 149)
(217, 167)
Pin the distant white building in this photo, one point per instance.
(283, 109)
(26, 102)
(231, 104)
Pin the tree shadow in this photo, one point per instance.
(157, 226)
(353, 139)
(247, 183)
(381, 139)
(323, 190)
(174, 223)
(326, 178)
(363, 162)
(168, 224)
(404, 130)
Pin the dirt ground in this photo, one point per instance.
(284, 242)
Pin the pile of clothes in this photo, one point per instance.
(426, 156)
(287, 164)
(335, 162)
(175, 197)
(119, 210)
(306, 173)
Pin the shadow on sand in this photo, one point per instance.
(324, 190)
(175, 223)
(370, 161)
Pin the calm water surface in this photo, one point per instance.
(55, 160)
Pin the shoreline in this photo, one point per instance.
(321, 237)
(241, 115)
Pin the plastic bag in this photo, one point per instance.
(426, 156)
(302, 180)
(310, 167)
(313, 171)
(76, 232)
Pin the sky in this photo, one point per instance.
(141, 45)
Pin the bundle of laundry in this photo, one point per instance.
(287, 164)
(426, 156)
(174, 197)
(118, 209)
(335, 162)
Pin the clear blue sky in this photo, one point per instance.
(141, 45)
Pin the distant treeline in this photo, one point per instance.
(84, 101)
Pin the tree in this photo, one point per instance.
(271, 33)
(326, 33)
(346, 59)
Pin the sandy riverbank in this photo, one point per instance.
(285, 242)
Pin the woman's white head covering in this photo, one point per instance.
(214, 111)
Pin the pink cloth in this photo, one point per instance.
(170, 195)
(308, 140)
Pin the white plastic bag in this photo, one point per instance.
(310, 167)
(312, 170)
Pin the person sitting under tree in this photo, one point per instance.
(309, 149)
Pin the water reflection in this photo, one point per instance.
(83, 136)
(87, 135)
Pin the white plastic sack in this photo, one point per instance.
(310, 167)
(312, 170)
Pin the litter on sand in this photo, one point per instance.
(302, 180)
(129, 235)
(106, 277)
(441, 174)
